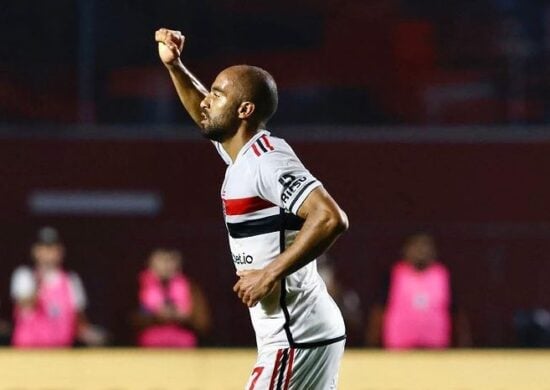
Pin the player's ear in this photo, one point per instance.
(246, 109)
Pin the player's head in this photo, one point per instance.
(239, 93)
(165, 263)
(419, 250)
(48, 250)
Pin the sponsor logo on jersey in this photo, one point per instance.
(290, 184)
(242, 258)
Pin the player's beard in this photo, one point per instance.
(214, 133)
(219, 129)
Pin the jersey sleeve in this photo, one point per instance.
(77, 289)
(23, 284)
(284, 181)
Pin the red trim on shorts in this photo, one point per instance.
(275, 368)
(289, 371)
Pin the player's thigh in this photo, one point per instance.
(265, 373)
(297, 369)
(315, 368)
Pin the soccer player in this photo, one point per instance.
(279, 219)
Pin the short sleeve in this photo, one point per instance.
(77, 289)
(284, 181)
(23, 284)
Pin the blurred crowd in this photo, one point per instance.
(416, 304)
(49, 302)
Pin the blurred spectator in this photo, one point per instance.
(347, 300)
(417, 307)
(532, 328)
(174, 311)
(49, 301)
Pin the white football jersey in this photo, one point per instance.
(262, 191)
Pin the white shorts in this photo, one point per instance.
(297, 369)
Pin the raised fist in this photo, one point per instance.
(170, 44)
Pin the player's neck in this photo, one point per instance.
(233, 145)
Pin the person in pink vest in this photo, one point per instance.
(173, 310)
(417, 307)
(49, 302)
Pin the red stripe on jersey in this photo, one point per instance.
(245, 205)
(275, 369)
(255, 149)
(266, 141)
(289, 371)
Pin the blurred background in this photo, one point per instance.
(417, 115)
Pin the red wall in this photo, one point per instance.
(486, 204)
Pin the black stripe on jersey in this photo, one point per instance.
(300, 194)
(282, 302)
(282, 299)
(282, 370)
(265, 225)
(259, 143)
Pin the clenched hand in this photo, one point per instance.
(253, 286)
(170, 45)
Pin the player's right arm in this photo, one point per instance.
(190, 90)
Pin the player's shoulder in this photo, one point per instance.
(267, 148)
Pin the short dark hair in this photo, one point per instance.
(259, 87)
(48, 236)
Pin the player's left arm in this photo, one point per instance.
(324, 222)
